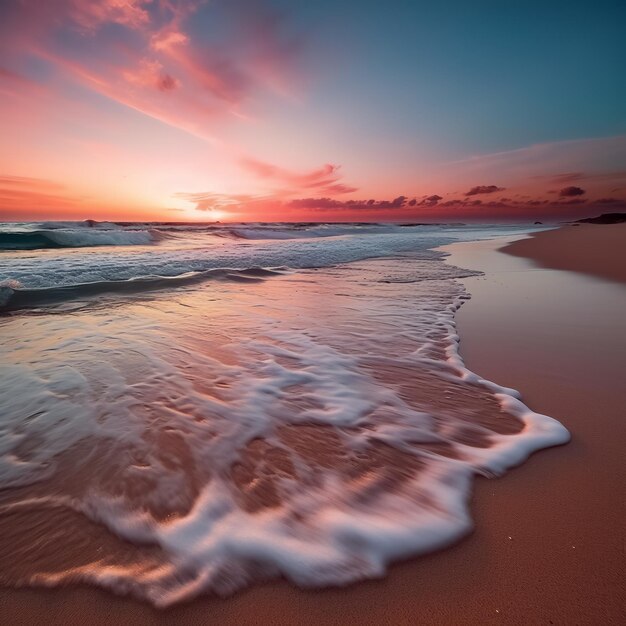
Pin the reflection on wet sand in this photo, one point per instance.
(314, 425)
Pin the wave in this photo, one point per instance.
(128, 259)
(265, 233)
(83, 238)
(84, 224)
(180, 450)
(90, 233)
(15, 297)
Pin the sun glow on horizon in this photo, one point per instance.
(213, 215)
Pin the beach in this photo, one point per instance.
(594, 249)
(547, 544)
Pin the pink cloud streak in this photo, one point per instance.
(324, 179)
(153, 66)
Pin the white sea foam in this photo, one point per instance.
(282, 428)
(92, 237)
(98, 256)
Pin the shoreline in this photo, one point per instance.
(565, 334)
(513, 567)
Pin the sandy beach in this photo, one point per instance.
(595, 249)
(548, 540)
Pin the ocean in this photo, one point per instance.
(193, 408)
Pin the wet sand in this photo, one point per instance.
(596, 249)
(548, 544)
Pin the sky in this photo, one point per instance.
(285, 110)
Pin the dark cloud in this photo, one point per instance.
(330, 203)
(568, 192)
(455, 202)
(402, 202)
(527, 206)
(427, 201)
(430, 200)
(316, 203)
(398, 202)
(167, 82)
(480, 189)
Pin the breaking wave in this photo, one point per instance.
(13, 296)
(79, 238)
(317, 426)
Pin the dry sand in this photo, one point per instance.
(549, 540)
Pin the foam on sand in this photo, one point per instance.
(208, 440)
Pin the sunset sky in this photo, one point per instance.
(333, 111)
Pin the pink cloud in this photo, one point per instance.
(167, 41)
(152, 63)
(283, 184)
(325, 178)
(209, 201)
(91, 15)
(151, 74)
(29, 183)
